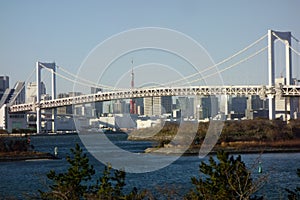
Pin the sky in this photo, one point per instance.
(70, 32)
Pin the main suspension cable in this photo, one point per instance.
(281, 40)
(231, 66)
(219, 63)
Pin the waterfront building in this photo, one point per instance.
(97, 105)
(85, 110)
(176, 113)
(15, 95)
(31, 91)
(156, 106)
(115, 121)
(119, 106)
(148, 123)
(74, 94)
(10, 121)
(166, 103)
(254, 102)
(256, 107)
(224, 107)
(186, 106)
(238, 105)
(62, 95)
(140, 110)
(64, 110)
(4, 84)
(205, 107)
(139, 103)
(18, 95)
(283, 104)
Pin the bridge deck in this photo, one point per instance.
(164, 91)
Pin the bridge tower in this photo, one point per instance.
(39, 67)
(132, 101)
(286, 37)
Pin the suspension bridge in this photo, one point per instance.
(270, 91)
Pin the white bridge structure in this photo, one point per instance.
(262, 91)
(269, 91)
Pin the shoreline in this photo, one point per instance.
(193, 152)
(238, 147)
(25, 156)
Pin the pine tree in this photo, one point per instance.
(69, 185)
(294, 194)
(227, 178)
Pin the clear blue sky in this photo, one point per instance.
(66, 31)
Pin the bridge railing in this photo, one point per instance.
(261, 90)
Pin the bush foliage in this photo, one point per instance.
(294, 194)
(73, 184)
(13, 144)
(226, 178)
(244, 130)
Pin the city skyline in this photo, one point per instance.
(66, 33)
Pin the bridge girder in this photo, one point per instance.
(263, 91)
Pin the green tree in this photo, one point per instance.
(69, 185)
(110, 187)
(294, 194)
(227, 178)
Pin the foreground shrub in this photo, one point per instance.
(294, 194)
(72, 185)
(13, 144)
(227, 178)
(69, 185)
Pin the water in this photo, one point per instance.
(23, 178)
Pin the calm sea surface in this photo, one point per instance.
(23, 178)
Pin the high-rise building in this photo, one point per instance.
(206, 107)
(64, 109)
(157, 105)
(31, 91)
(97, 105)
(257, 107)
(167, 104)
(185, 105)
(62, 95)
(254, 102)
(283, 104)
(238, 104)
(148, 106)
(4, 84)
(74, 94)
(119, 106)
(15, 95)
(139, 103)
(18, 96)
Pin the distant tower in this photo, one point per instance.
(132, 102)
(4, 84)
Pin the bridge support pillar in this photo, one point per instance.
(39, 67)
(293, 107)
(38, 98)
(54, 110)
(271, 98)
(38, 120)
(286, 37)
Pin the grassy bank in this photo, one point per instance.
(240, 136)
(19, 148)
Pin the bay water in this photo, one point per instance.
(21, 179)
